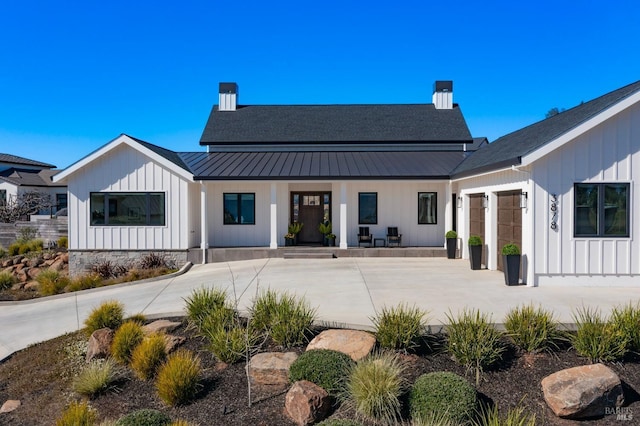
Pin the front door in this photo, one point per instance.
(311, 209)
(509, 222)
(476, 219)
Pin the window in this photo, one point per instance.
(127, 208)
(601, 210)
(368, 208)
(427, 208)
(61, 201)
(239, 209)
(3, 197)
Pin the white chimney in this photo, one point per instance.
(228, 97)
(443, 94)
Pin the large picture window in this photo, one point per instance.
(601, 210)
(127, 208)
(368, 208)
(427, 208)
(239, 209)
(3, 197)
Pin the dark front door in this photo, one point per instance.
(311, 209)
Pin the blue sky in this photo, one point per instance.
(76, 74)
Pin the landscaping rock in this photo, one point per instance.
(99, 344)
(172, 342)
(58, 265)
(10, 406)
(32, 273)
(160, 326)
(271, 368)
(357, 344)
(584, 391)
(307, 403)
(30, 286)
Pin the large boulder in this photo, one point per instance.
(585, 391)
(271, 368)
(357, 344)
(307, 403)
(99, 344)
(160, 326)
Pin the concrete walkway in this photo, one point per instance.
(345, 291)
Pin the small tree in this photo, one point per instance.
(19, 207)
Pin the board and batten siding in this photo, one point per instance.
(608, 153)
(127, 170)
(397, 206)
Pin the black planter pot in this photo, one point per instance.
(511, 267)
(331, 242)
(475, 257)
(289, 242)
(452, 244)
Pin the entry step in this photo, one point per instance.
(296, 254)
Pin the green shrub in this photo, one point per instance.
(177, 381)
(27, 234)
(14, 248)
(451, 234)
(148, 356)
(517, 416)
(374, 387)
(324, 367)
(144, 417)
(202, 302)
(139, 318)
(84, 282)
(7, 280)
(510, 249)
(125, 339)
(598, 338)
(109, 314)
(400, 327)
(339, 422)
(285, 318)
(531, 329)
(3, 252)
(443, 392)
(77, 414)
(627, 320)
(63, 242)
(51, 282)
(97, 377)
(474, 341)
(475, 240)
(229, 344)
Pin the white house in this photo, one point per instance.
(561, 188)
(19, 175)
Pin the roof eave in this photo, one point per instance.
(500, 165)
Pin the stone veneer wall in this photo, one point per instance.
(80, 261)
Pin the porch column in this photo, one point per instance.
(448, 211)
(274, 217)
(343, 215)
(204, 228)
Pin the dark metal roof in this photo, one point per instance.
(172, 156)
(21, 161)
(508, 150)
(321, 165)
(29, 177)
(300, 124)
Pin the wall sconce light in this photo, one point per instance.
(523, 200)
(485, 201)
(459, 202)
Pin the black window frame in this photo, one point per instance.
(373, 221)
(601, 231)
(108, 205)
(225, 217)
(435, 198)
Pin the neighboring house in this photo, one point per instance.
(20, 175)
(411, 166)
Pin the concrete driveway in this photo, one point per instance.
(345, 291)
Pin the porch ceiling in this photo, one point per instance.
(321, 165)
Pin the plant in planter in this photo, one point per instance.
(293, 229)
(325, 230)
(452, 243)
(331, 239)
(289, 239)
(475, 251)
(511, 263)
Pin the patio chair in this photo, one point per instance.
(393, 237)
(364, 237)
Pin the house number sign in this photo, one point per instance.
(553, 206)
